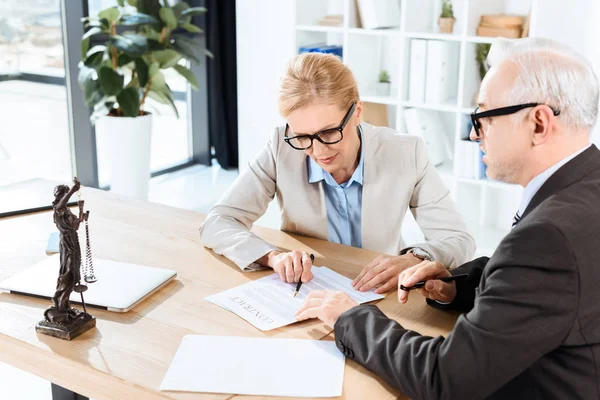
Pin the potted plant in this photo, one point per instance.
(383, 86)
(481, 53)
(446, 20)
(135, 44)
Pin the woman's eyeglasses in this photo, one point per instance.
(327, 136)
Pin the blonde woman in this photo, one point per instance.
(337, 179)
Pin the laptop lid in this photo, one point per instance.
(120, 286)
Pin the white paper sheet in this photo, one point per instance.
(256, 366)
(268, 303)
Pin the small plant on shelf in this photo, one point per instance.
(384, 76)
(446, 20)
(481, 53)
(383, 86)
(447, 9)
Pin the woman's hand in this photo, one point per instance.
(291, 266)
(384, 271)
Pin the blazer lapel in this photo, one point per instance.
(373, 207)
(569, 173)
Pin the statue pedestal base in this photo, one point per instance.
(83, 322)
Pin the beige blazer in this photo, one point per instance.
(397, 176)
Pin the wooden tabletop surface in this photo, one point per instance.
(127, 355)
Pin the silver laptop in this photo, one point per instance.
(120, 286)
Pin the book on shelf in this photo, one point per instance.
(428, 125)
(441, 71)
(376, 14)
(417, 70)
(511, 33)
(508, 26)
(332, 20)
(375, 114)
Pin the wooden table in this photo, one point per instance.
(127, 355)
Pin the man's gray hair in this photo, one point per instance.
(553, 74)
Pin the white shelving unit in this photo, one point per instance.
(487, 206)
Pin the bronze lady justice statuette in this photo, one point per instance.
(60, 319)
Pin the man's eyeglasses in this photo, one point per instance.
(327, 136)
(497, 112)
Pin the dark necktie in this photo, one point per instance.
(516, 219)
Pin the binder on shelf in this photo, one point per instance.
(322, 48)
(469, 160)
(441, 71)
(418, 66)
(427, 124)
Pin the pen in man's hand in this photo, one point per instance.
(312, 259)
(421, 284)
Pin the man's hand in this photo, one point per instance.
(383, 271)
(434, 289)
(291, 266)
(326, 305)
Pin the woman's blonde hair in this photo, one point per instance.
(316, 78)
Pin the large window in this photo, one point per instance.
(34, 134)
(36, 138)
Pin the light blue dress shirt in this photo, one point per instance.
(343, 202)
(536, 183)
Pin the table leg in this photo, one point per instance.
(60, 393)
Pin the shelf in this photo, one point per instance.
(480, 39)
(389, 100)
(448, 107)
(375, 32)
(319, 28)
(433, 36)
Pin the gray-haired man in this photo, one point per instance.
(531, 328)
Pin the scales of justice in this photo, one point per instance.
(61, 320)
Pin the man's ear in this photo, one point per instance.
(542, 119)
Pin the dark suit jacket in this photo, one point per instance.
(532, 323)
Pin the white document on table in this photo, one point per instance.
(256, 366)
(268, 303)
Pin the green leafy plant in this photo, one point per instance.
(481, 53)
(384, 77)
(447, 9)
(138, 41)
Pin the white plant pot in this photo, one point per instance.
(383, 88)
(128, 144)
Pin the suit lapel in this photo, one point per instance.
(569, 173)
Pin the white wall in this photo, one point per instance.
(265, 43)
(574, 23)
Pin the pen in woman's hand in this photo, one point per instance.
(312, 259)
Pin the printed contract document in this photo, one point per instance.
(268, 303)
(256, 366)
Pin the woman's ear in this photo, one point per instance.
(358, 112)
